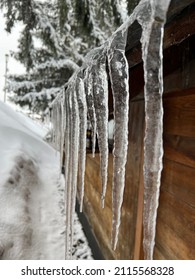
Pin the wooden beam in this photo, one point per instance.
(180, 28)
(140, 207)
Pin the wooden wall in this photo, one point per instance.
(175, 236)
(101, 219)
(176, 214)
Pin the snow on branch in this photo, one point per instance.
(87, 96)
(58, 64)
(44, 93)
(28, 85)
(45, 25)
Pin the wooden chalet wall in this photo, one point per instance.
(175, 236)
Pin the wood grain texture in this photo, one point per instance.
(102, 228)
(179, 180)
(175, 228)
(175, 238)
(180, 116)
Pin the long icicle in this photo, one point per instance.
(67, 173)
(63, 127)
(152, 46)
(88, 82)
(82, 106)
(119, 76)
(100, 96)
(75, 123)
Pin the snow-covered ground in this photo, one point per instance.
(32, 222)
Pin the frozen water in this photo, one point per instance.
(90, 106)
(100, 97)
(152, 47)
(119, 77)
(91, 102)
(82, 106)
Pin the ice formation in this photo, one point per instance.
(100, 97)
(86, 96)
(152, 47)
(119, 77)
(82, 105)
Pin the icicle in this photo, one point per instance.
(57, 126)
(71, 163)
(100, 97)
(90, 105)
(67, 174)
(119, 76)
(152, 42)
(57, 120)
(62, 129)
(75, 123)
(93, 135)
(82, 106)
(54, 125)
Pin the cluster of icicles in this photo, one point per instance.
(86, 98)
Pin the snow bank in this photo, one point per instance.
(19, 121)
(32, 222)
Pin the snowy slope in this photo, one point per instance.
(32, 222)
(18, 120)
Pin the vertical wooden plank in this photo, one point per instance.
(140, 206)
(134, 183)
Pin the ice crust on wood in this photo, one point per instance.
(86, 98)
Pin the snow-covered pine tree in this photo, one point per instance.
(42, 83)
(42, 52)
(56, 36)
(92, 20)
